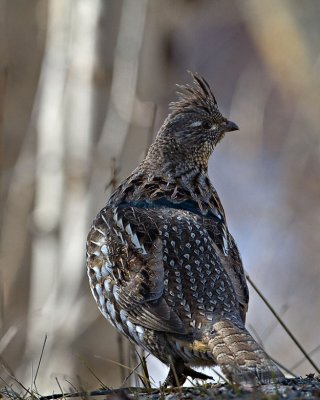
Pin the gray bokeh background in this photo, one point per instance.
(84, 85)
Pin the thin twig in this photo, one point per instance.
(40, 359)
(282, 324)
(71, 385)
(104, 392)
(267, 332)
(146, 380)
(315, 350)
(133, 360)
(93, 373)
(221, 376)
(132, 370)
(257, 336)
(135, 357)
(282, 366)
(172, 366)
(13, 377)
(114, 175)
(121, 355)
(59, 386)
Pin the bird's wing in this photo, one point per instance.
(234, 268)
(134, 250)
(231, 261)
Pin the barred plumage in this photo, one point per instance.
(162, 265)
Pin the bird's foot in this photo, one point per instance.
(178, 374)
(195, 374)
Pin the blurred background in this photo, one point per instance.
(84, 86)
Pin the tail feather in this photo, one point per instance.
(241, 359)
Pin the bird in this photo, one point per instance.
(163, 267)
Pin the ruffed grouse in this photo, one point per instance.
(162, 265)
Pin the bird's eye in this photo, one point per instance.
(206, 125)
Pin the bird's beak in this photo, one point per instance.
(231, 126)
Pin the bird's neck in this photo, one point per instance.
(168, 158)
(178, 186)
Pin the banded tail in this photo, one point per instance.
(241, 359)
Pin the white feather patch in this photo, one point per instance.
(104, 250)
(111, 310)
(98, 272)
(195, 124)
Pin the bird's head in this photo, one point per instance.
(193, 128)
